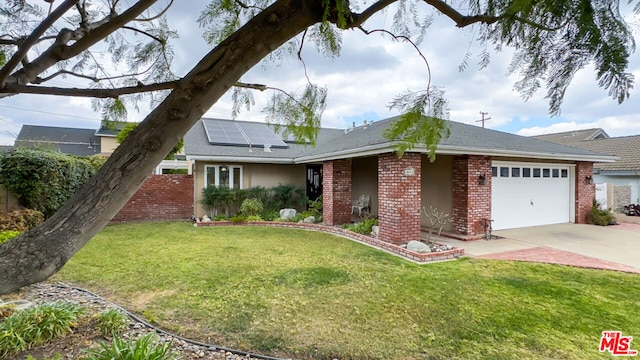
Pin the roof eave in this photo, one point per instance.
(455, 150)
(241, 159)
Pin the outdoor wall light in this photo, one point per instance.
(482, 179)
(588, 180)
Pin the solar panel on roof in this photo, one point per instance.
(224, 132)
(260, 134)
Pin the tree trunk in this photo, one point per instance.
(41, 252)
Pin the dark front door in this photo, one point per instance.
(314, 181)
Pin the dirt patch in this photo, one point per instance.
(145, 299)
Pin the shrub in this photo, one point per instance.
(21, 220)
(142, 349)
(253, 218)
(238, 218)
(44, 180)
(600, 216)
(363, 227)
(270, 215)
(112, 321)
(37, 325)
(251, 207)
(221, 217)
(7, 235)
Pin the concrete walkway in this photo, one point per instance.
(611, 247)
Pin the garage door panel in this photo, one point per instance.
(529, 201)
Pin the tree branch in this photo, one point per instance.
(32, 39)
(461, 20)
(85, 38)
(161, 41)
(157, 16)
(359, 19)
(14, 89)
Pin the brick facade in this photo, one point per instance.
(161, 197)
(585, 192)
(471, 200)
(399, 197)
(336, 192)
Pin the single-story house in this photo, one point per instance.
(479, 175)
(84, 142)
(81, 142)
(618, 183)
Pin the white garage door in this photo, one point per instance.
(526, 194)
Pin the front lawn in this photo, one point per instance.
(303, 294)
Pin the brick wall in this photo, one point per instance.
(336, 192)
(471, 201)
(585, 193)
(161, 197)
(399, 197)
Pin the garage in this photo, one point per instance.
(530, 194)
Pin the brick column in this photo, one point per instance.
(585, 193)
(336, 192)
(471, 200)
(399, 197)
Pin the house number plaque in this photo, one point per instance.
(409, 171)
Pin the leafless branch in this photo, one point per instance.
(304, 65)
(157, 16)
(32, 39)
(260, 87)
(402, 37)
(359, 19)
(14, 89)
(245, 6)
(93, 93)
(161, 41)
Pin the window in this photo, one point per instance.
(494, 171)
(515, 172)
(504, 172)
(564, 173)
(555, 173)
(536, 172)
(546, 172)
(229, 176)
(526, 172)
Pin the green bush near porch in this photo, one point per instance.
(304, 294)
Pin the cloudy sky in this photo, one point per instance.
(371, 70)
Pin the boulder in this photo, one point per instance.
(205, 219)
(418, 246)
(309, 220)
(287, 214)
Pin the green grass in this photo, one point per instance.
(307, 294)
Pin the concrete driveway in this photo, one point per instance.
(611, 247)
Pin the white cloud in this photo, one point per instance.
(613, 125)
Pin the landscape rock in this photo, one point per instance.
(309, 220)
(375, 231)
(418, 246)
(205, 219)
(287, 214)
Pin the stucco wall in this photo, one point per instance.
(108, 144)
(436, 186)
(364, 180)
(633, 181)
(267, 175)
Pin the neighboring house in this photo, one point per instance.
(85, 142)
(81, 142)
(479, 175)
(623, 176)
